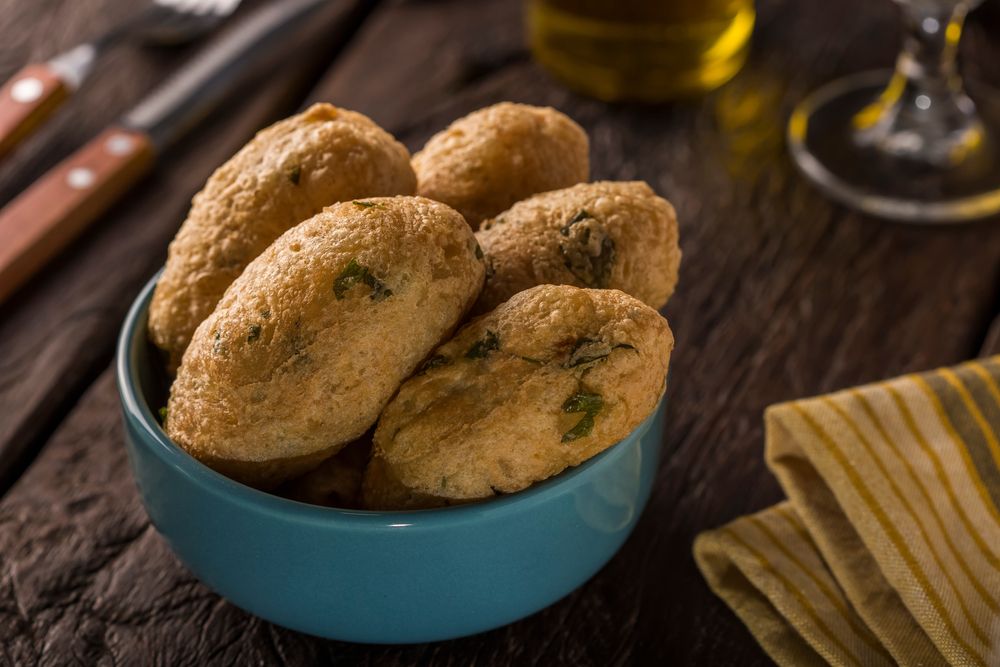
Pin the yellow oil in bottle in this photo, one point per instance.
(649, 50)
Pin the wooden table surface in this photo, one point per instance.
(782, 294)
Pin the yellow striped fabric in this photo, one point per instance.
(887, 550)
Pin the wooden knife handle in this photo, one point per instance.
(55, 209)
(27, 99)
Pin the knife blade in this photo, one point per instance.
(54, 210)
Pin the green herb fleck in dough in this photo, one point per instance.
(367, 204)
(587, 250)
(356, 273)
(436, 361)
(589, 404)
(585, 351)
(254, 333)
(483, 347)
(588, 350)
(294, 174)
(530, 360)
(579, 217)
(163, 414)
(265, 314)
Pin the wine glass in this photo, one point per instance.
(915, 149)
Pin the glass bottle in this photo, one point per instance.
(648, 50)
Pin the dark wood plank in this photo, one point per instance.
(991, 343)
(782, 294)
(57, 334)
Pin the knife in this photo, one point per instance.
(54, 210)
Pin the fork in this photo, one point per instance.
(38, 89)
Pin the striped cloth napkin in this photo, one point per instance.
(888, 548)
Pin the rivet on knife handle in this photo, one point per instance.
(51, 213)
(26, 100)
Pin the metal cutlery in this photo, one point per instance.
(56, 208)
(37, 90)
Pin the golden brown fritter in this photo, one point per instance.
(286, 174)
(309, 344)
(486, 161)
(550, 378)
(336, 482)
(606, 234)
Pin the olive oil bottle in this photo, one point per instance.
(649, 50)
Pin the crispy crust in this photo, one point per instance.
(484, 162)
(308, 345)
(488, 416)
(605, 234)
(286, 174)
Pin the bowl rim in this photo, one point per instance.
(135, 406)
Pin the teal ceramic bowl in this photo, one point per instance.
(378, 577)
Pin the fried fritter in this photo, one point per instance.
(336, 482)
(606, 235)
(286, 174)
(484, 162)
(309, 344)
(549, 379)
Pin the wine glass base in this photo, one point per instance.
(822, 141)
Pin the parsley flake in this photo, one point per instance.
(483, 347)
(588, 350)
(356, 273)
(590, 405)
(587, 250)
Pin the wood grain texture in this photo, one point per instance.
(58, 332)
(782, 295)
(991, 343)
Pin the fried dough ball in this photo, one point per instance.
(309, 344)
(286, 174)
(606, 234)
(486, 161)
(549, 379)
(336, 482)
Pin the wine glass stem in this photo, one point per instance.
(924, 114)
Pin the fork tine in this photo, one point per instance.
(223, 7)
(176, 18)
(184, 6)
(202, 7)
